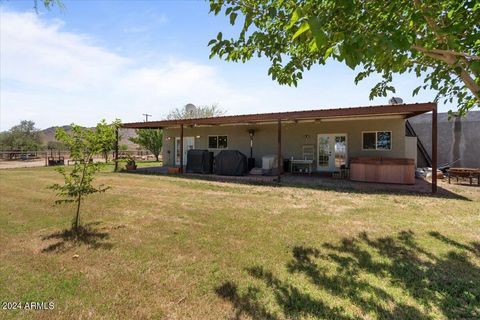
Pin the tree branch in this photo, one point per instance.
(456, 53)
(470, 83)
(429, 20)
(447, 58)
(451, 60)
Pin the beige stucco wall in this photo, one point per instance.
(293, 137)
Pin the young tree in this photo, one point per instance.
(438, 39)
(84, 144)
(150, 139)
(196, 112)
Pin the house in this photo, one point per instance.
(331, 138)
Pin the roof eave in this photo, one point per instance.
(408, 110)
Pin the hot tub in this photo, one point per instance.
(384, 170)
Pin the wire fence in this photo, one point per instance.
(60, 157)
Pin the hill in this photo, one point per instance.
(48, 134)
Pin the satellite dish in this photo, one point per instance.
(190, 108)
(395, 100)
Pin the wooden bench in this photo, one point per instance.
(469, 173)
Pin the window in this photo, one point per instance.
(222, 142)
(369, 141)
(212, 142)
(217, 142)
(384, 140)
(377, 140)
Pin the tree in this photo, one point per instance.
(84, 144)
(437, 39)
(22, 137)
(107, 137)
(123, 147)
(196, 112)
(150, 139)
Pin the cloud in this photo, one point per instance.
(55, 77)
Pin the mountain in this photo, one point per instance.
(48, 135)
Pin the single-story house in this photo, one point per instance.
(329, 138)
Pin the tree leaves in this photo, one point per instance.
(233, 16)
(22, 137)
(304, 27)
(198, 112)
(378, 36)
(296, 15)
(150, 139)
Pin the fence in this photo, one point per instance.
(56, 156)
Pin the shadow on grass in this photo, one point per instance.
(361, 277)
(314, 183)
(88, 235)
(474, 247)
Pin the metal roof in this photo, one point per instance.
(406, 110)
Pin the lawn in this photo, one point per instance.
(174, 248)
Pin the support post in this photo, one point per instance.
(116, 149)
(279, 151)
(434, 149)
(181, 148)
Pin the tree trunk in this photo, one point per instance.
(156, 157)
(77, 216)
(76, 224)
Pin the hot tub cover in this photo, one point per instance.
(231, 163)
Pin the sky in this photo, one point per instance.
(121, 59)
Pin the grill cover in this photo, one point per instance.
(199, 161)
(231, 163)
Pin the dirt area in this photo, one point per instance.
(9, 164)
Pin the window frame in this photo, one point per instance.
(216, 135)
(376, 140)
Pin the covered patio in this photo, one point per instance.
(298, 119)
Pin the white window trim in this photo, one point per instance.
(376, 142)
(217, 135)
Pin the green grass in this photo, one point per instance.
(174, 248)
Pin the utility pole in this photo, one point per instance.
(146, 116)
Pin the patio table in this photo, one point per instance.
(307, 163)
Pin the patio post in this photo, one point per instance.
(279, 151)
(181, 148)
(116, 149)
(434, 149)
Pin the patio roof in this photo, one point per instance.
(404, 110)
